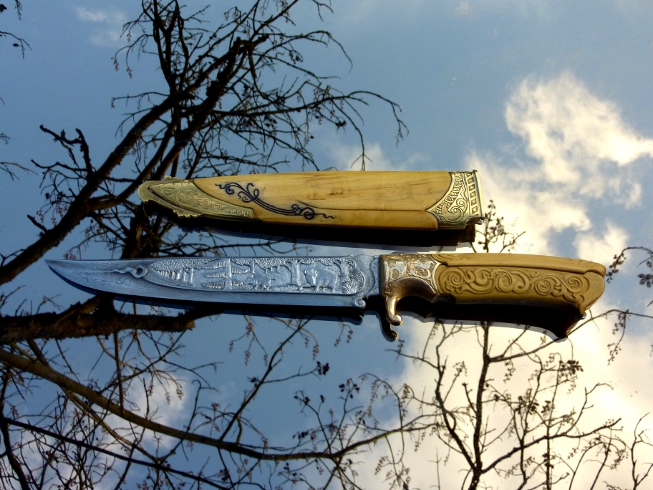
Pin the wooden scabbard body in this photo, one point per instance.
(412, 201)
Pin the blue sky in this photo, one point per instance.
(551, 101)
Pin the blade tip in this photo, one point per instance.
(55, 264)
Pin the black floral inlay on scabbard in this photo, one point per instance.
(250, 193)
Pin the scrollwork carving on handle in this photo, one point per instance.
(495, 282)
(490, 279)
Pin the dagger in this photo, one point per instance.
(548, 292)
(433, 207)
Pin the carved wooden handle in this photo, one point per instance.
(572, 285)
(387, 200)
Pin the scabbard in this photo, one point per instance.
(419, 201)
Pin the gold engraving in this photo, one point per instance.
(407, 275)
(461, 203)
(186, 200)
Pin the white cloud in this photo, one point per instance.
(86, 14)
(109, 29)
(166, 404)
(620, 396)
(578, 150)
(347, 157)
(601, 247)
(538, 212)
(367, 13)
(463, 9)
(579, 153)
(572, 132)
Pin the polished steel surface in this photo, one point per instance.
(312, 281)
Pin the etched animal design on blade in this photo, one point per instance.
(259, 280)
(321, 279)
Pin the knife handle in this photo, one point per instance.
(532, 283)
(389, 200)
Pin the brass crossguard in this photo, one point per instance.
(493, 279)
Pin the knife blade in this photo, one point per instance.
(548, 292)
(448, 203)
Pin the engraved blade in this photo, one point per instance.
(311, 281)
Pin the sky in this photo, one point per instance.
(552, 102)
